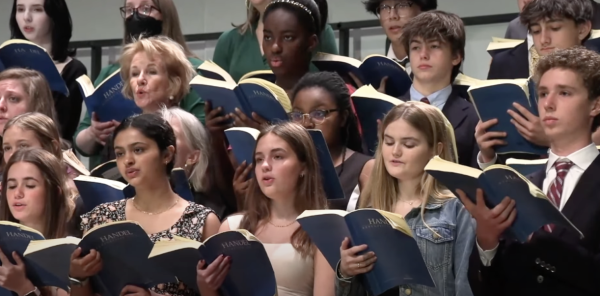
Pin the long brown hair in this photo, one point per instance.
(382, 189)
(171, 25)
(309, 194)
(59, 207)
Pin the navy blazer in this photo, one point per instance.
(557, 263)
(510, 64)
(463, 117)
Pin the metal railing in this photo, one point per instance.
(343, 29)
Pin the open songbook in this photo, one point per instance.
(18, 53)
(256, 95)
(370, 71)
(501, 44)
(71, 159)
(329, 177)
(46, 261)
(534, 209)
(251, 273)
(370, 106)
(527, 166)
(242, 141)
(95, 191)
(492, 98)
(210, 69)
(399, 260)
(107, 100)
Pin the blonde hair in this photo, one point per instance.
(44, 129)
(252, 16)
(179, 69)
(37, 88)
(382, 189)
(171, 26)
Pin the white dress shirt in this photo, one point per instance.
(581, 159)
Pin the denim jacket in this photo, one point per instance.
(446, 256)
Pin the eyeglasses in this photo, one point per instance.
(386, 10)
(316, 116)
(127, 11)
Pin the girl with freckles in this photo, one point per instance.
(145, 147)
(34, 195)
(286, 182)
(410, 135)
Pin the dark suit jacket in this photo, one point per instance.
(510, 64)
(557, 263)
(463, 117)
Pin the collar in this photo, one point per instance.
(436, 99)
(582, 158)
(392, 55)
(529, 40)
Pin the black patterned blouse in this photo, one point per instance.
(190, 226)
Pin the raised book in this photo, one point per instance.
(124, 247)
(534, 209)
(250, 274)
(95, 191)
(370, 71)
(493, 98)
(46, 262)
(260, 96)
(108, 170)
(18, 53)
(371, 106)
(71, 159)
(499, 45)
(210, 69)
(331, 182)
(399, 260)
(242, 141)
(107, 100)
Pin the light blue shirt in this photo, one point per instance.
(437, 99)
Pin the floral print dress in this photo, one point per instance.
(190, 226)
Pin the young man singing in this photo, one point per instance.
(435, 42)
(554, 261)
(393, 16)
(553, 25)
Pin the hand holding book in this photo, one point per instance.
(491, 223)
(211, 277)
(487, 140)
(528, 125)
(13, 276)
(353, 264)
(240, 119)
(84, 267)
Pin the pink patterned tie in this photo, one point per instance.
(562, 167)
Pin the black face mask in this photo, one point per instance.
(137, 25)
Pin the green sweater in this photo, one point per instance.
(191, 103)
(239, 54)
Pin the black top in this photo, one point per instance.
(350, 174)
(73, 228)
(68, 109)
(214, 200)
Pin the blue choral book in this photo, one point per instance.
(331, 181)
(17, 53)
(499, 45)
(107, 100)
(125, 247)
(370, 71)
(95, 191)
(242, 141)
(493, 98)
(260, 96)
(251, 273)
(399, 260)
(46, 261)
(534, 209)
(370, 106)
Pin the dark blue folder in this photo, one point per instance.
(331, 181)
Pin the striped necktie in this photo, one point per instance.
(562, 167)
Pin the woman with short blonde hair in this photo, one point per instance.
(168, 56)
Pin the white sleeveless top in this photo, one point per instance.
(294, 274)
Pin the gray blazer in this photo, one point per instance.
(516, 30)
